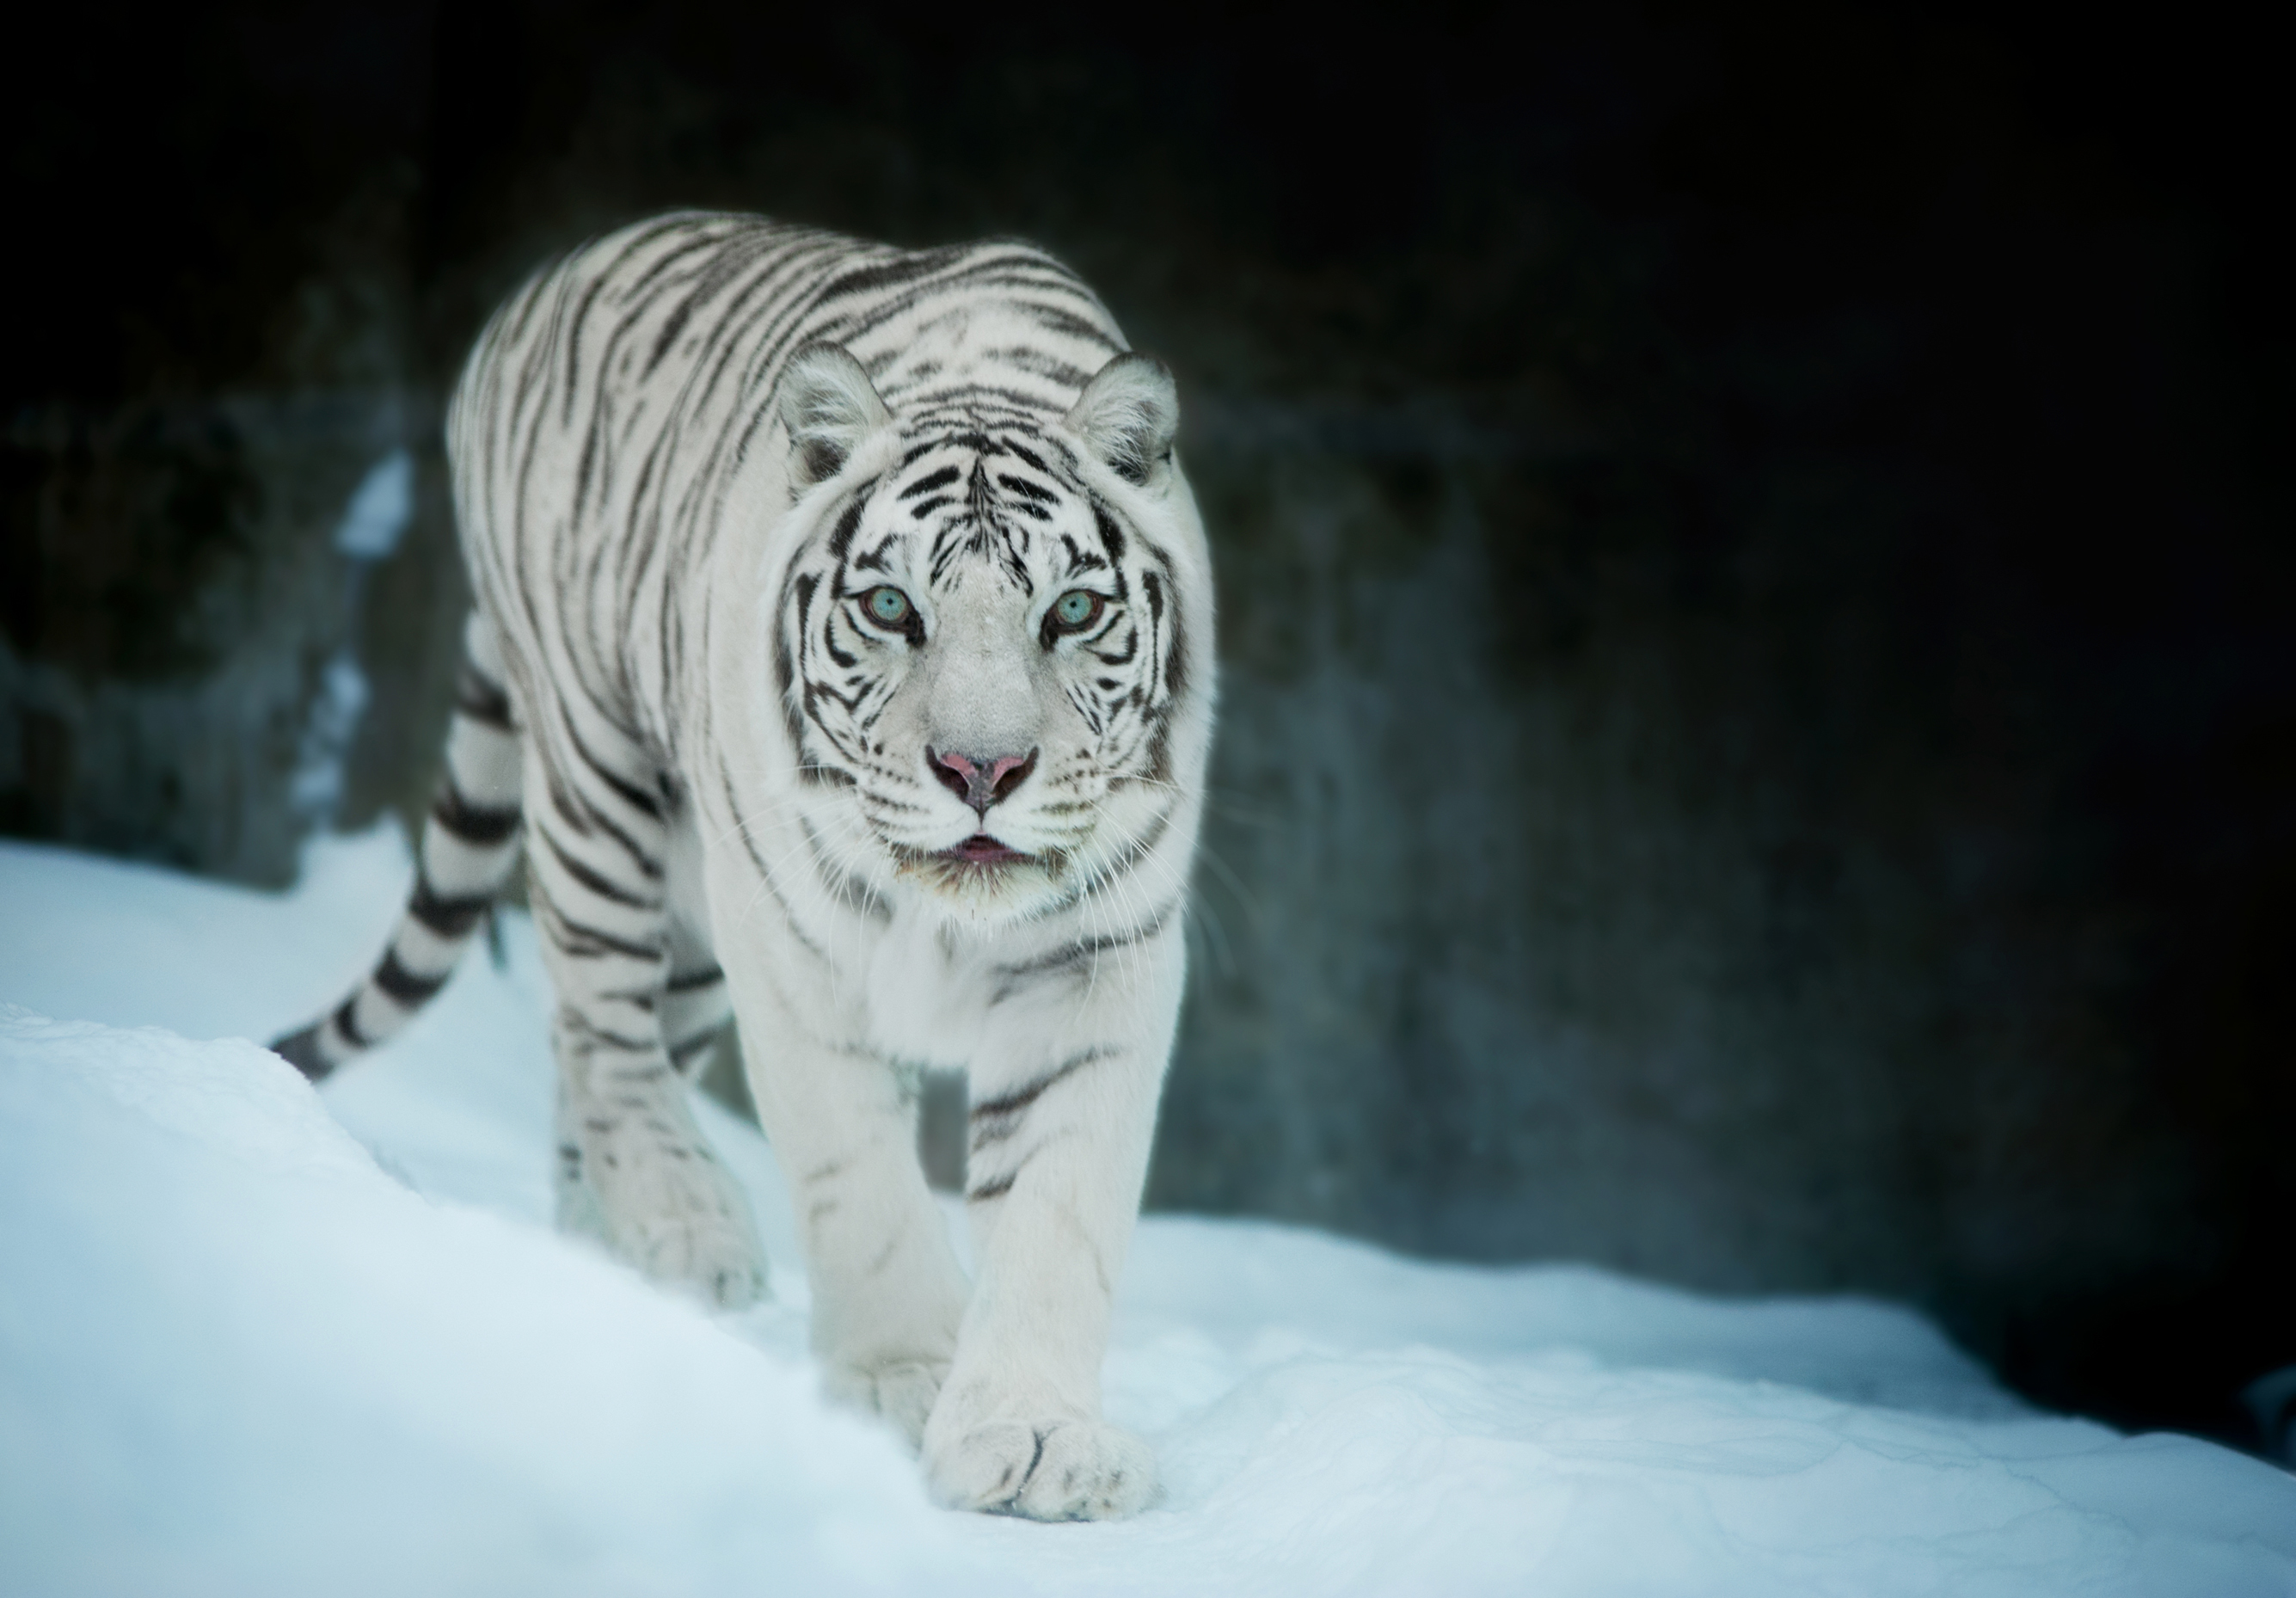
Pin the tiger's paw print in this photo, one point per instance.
(903, 1392)
(1057, 1469)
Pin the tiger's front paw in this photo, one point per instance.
(903, 1391)
(1053, 1470)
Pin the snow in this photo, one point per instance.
(259, 1340)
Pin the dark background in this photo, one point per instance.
(1754, 555)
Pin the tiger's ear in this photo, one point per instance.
(829, 406)
(1126, 416)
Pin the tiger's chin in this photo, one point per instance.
(983, 879)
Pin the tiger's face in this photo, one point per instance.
(982, 645)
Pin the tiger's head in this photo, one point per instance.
(984, 644)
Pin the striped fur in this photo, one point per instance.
(469, 846)
(842, 662)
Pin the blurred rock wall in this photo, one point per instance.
(172, 600)
(1755, 744)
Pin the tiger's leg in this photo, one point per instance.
(634, 1167)
(695, 1008)
(887, 1295)
(1064, 1105)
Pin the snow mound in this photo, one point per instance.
(255, 1338)
(240, 1358)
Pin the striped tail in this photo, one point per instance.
(469, 846)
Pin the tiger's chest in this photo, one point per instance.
(923, 997)
(926, 995)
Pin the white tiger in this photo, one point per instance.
(843, 652)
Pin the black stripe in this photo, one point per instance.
(682, 1052)
(1035, 1459)
(637, 799)
(480, 700)
(1037, 363)
(581, 941)
(846, 328)
(403, 985)
(715, 273)
(482, 826)
(785, 663)
(448, 918)
(930, 481)
(840, 539)
(1020, 1098)
(574, 351)
(302, 1051)
(588, 464)
(700, 234)
(598, 881)
(890, 273)
(996, 1189)
(688, 981)
(971, 393)
(1175, 660)
(589, 818)
(596, 1036)
(1068, 323)
(347, 1023)
(1049, 277)
(1084, 949)
(1112, 537)
(844, 661)
(729, 341)
(1131, 648)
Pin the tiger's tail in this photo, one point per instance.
(470, 847)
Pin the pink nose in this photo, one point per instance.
(982, 782)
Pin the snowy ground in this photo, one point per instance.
(256, 1340)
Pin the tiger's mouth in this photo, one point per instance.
(983, 875)
(981, 849)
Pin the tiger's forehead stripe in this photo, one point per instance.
(947, 481)
(931, 480)
(984, 523)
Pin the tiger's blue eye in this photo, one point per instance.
(888, 605)
(1077, 607)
